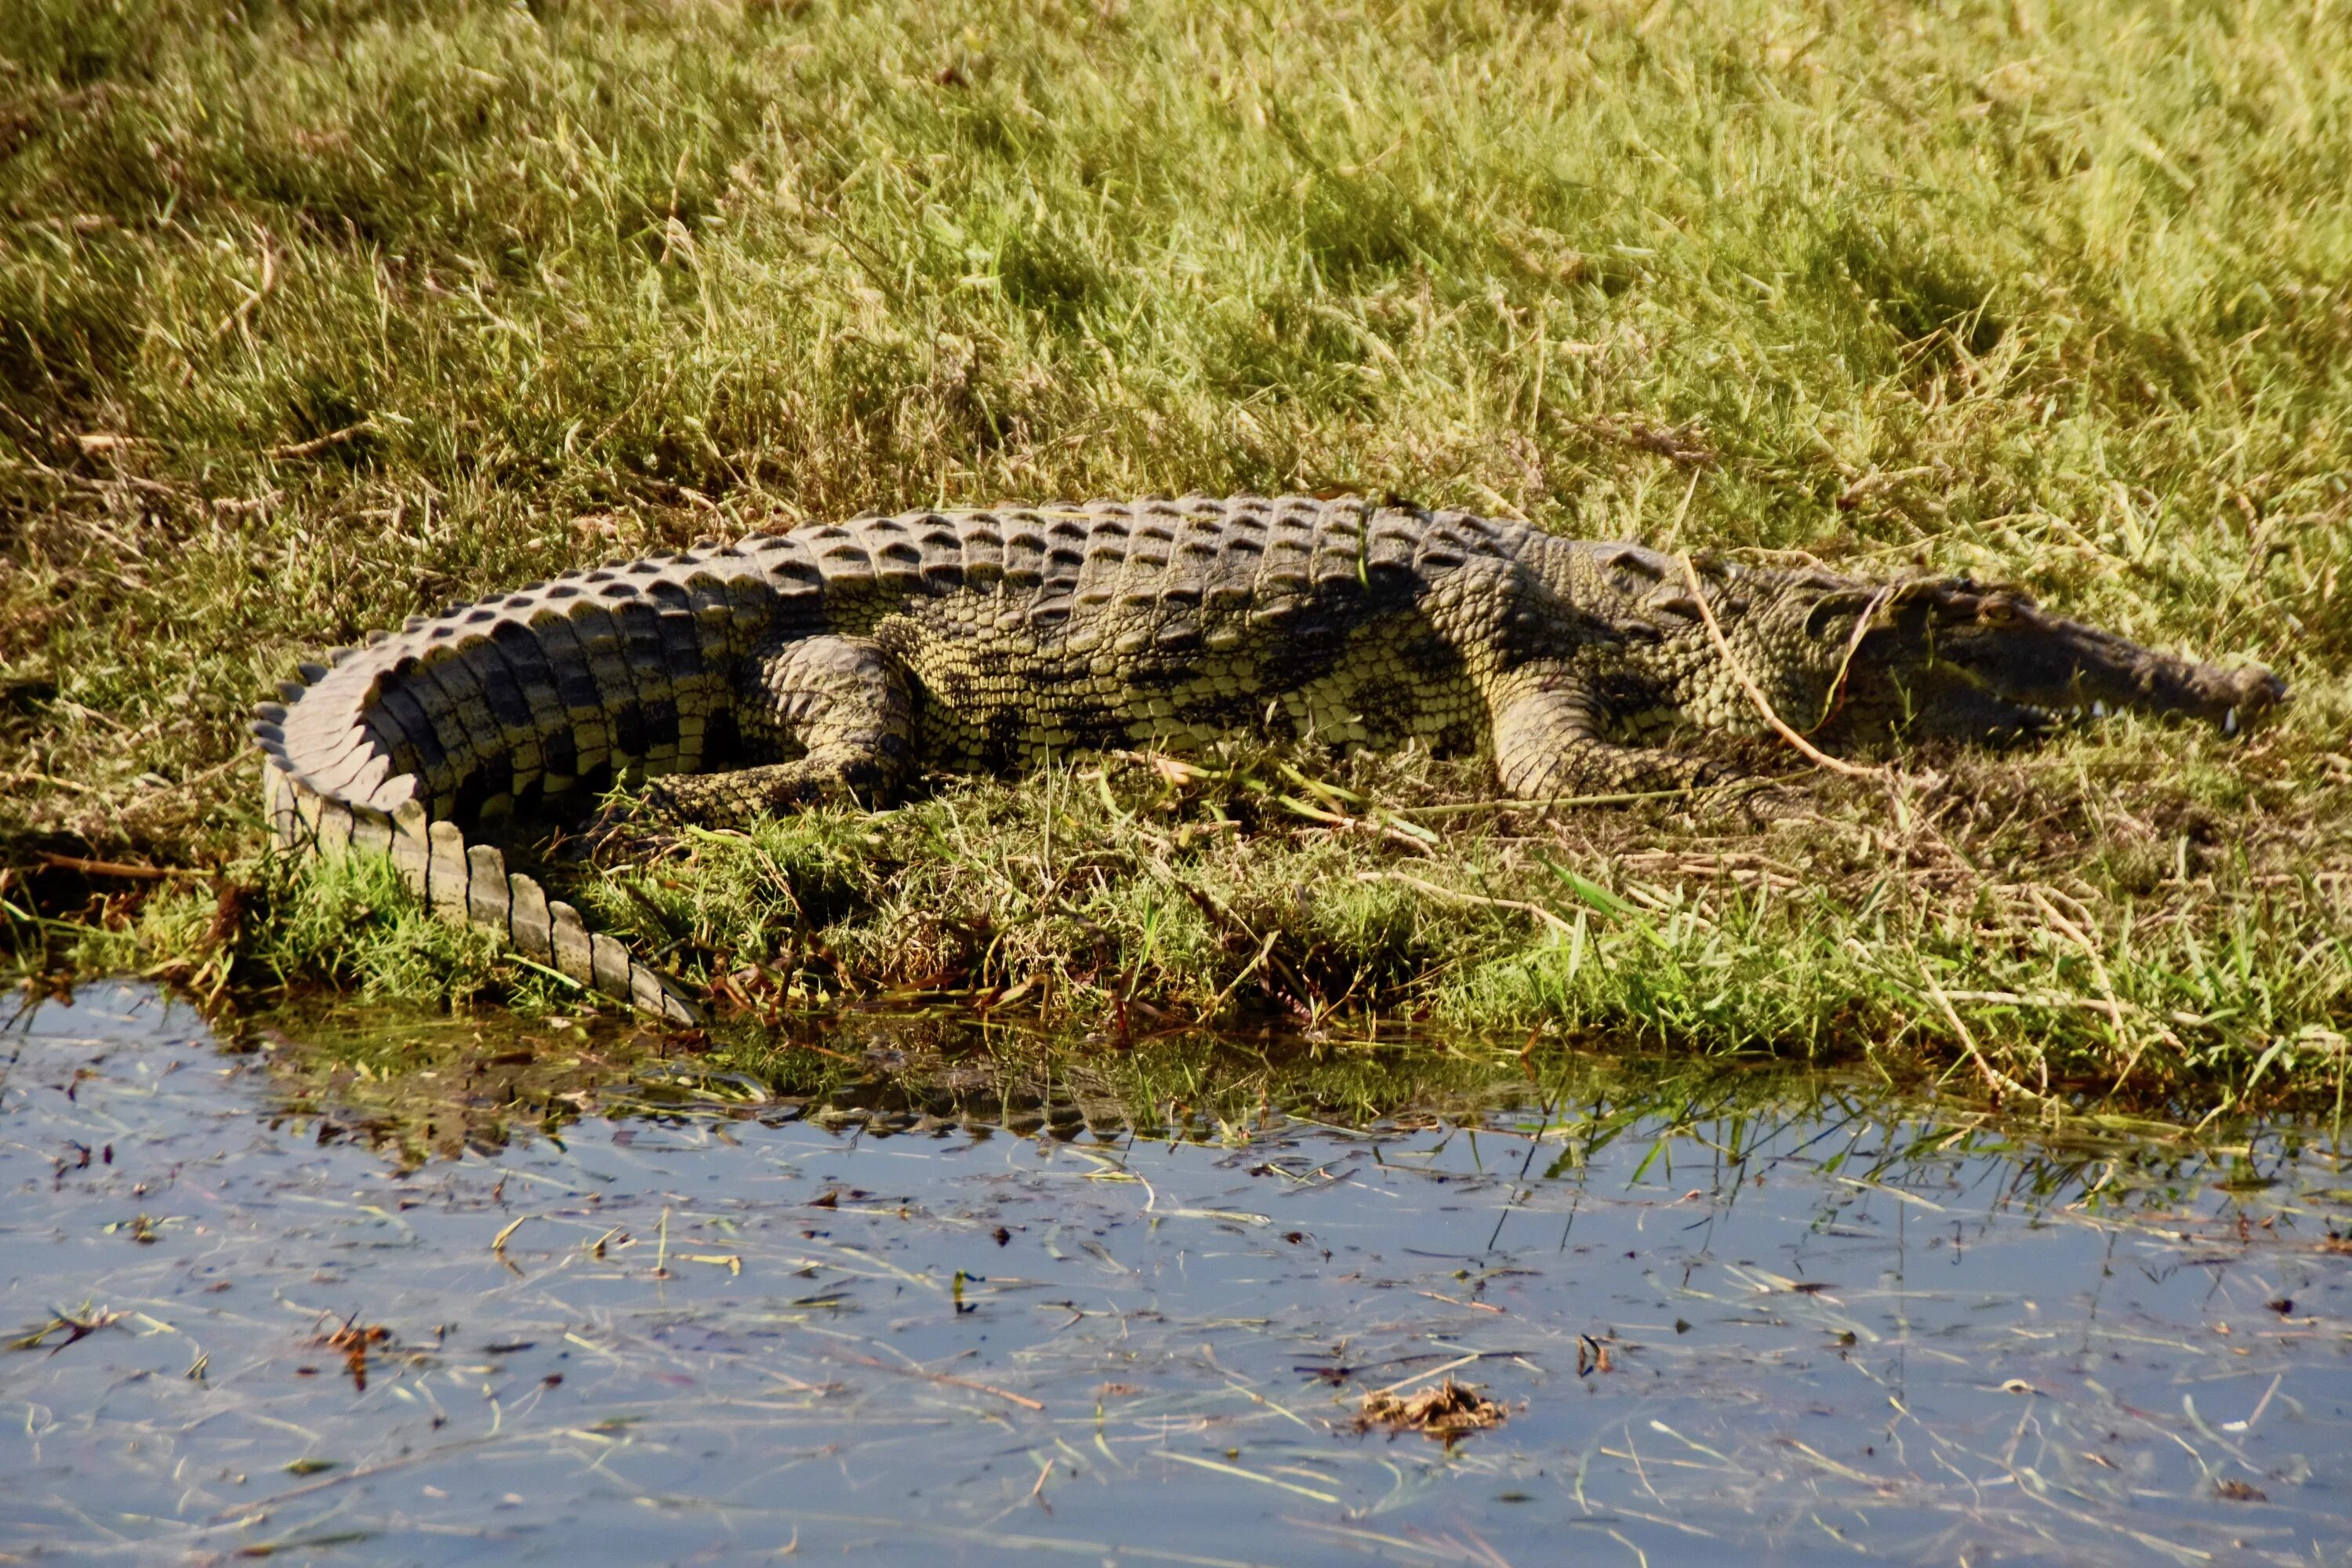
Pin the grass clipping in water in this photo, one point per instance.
(418, 309)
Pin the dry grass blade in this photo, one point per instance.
(319, 444)
(1454, 895)
(116, 868)
(926, 1376)
(1762, 703)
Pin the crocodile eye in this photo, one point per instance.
(1997, 610)
(1822, 621)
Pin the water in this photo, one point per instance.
(1809, 1328)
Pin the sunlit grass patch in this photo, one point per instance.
(269, 923)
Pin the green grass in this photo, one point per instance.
(316, 315)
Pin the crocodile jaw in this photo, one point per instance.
(1951, 659)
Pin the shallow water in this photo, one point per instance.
(1809, 1330)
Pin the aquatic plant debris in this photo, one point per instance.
(1447, 1411)
(355, 1340)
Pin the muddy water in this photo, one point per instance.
(1807, 1329)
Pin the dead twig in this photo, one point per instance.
(1998, 1081)
(112, 867)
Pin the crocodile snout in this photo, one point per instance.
(2254, 694)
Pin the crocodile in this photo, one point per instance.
(839, 661)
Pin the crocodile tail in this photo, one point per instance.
(623, 671)
(466, 884)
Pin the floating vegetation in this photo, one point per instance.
(1447, 1411)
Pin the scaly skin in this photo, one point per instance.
(837, 662)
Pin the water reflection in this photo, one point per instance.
(977, 1306)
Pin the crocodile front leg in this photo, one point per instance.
(1528, 648)
(1547, 742)
(843, 703)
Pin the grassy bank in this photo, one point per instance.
(315, 316)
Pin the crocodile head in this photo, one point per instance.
(1950, 657)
